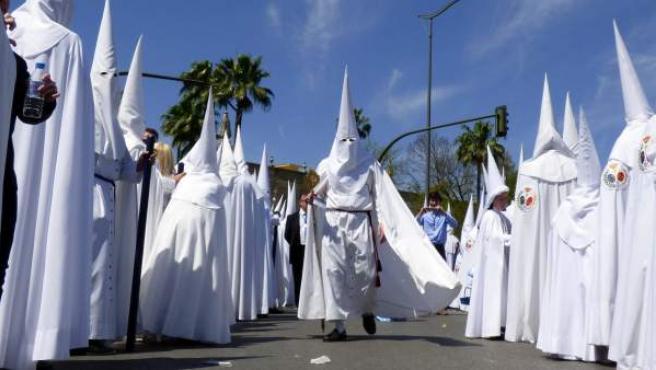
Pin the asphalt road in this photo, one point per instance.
(282, 342)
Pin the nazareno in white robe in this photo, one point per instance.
(185, 287)
(54, 168)
(564, 320)
(247, 247)
(415, 280)
(487, 307)
(630, 336)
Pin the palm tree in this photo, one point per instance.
(184, 120)
(362, 122)
(472, 148)
(239, 85)
(236, 84)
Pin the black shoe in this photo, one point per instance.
(100, 347)
(335, 336)
(369, 323)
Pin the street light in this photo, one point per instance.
(429, 17)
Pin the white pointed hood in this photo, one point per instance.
(242, 167)
(481, 208)
(521, 155)
(469, 223)
(349, 161)
(292, 202)
(43, 22)
(636, 106)
(228, 168)
(570, 134)
(587, 159)
(109, 139)
(263, 175)
(568, 221)
(202, 156)
(494, 183)
(202, 185)
(449, 229)
(548, 138)
(279, 204)
(131, 111)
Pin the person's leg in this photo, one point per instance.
(9, 206)
(440, 250)
(338, 334)
(298, 276)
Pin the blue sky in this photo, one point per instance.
(486, 53)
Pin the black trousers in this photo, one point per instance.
(440, 250)
(297, 270)
(9, 206)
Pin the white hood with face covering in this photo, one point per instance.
(44, 23)
(348, 165)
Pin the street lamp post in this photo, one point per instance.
(429, 17)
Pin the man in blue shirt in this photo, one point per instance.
(434, 221)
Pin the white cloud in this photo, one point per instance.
(523, 18)
(321, 25)
(400, 106)
(395, 77)
(273, 15)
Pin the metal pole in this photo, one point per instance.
(138, 253)
(428, 105)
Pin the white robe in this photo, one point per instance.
(451, 249)
(543, 183)
(537, 199)
(247, 248)
(611, 240)
(466, 266)
(265, 239)
(283, 269)
(185, 287)
(415, 280)
(629, 337)
(51, 252)
(564, 322)
(487, 307)
(104, 310)
(8, 71)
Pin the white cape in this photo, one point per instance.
(564, 321)
(185, 287)
(46, 294)
(415, 280)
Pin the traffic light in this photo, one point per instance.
(502, 121)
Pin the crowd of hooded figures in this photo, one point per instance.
(568, 265)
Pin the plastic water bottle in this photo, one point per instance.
(33, 105)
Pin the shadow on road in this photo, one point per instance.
(156, 363)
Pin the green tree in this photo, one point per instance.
(362, 122)
(236, 84)
(239, 85)
(184, 120)
(472, 148)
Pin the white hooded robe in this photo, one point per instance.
(47, 294)
(185, 288)
(543, 183)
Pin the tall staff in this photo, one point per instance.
(138, 253)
